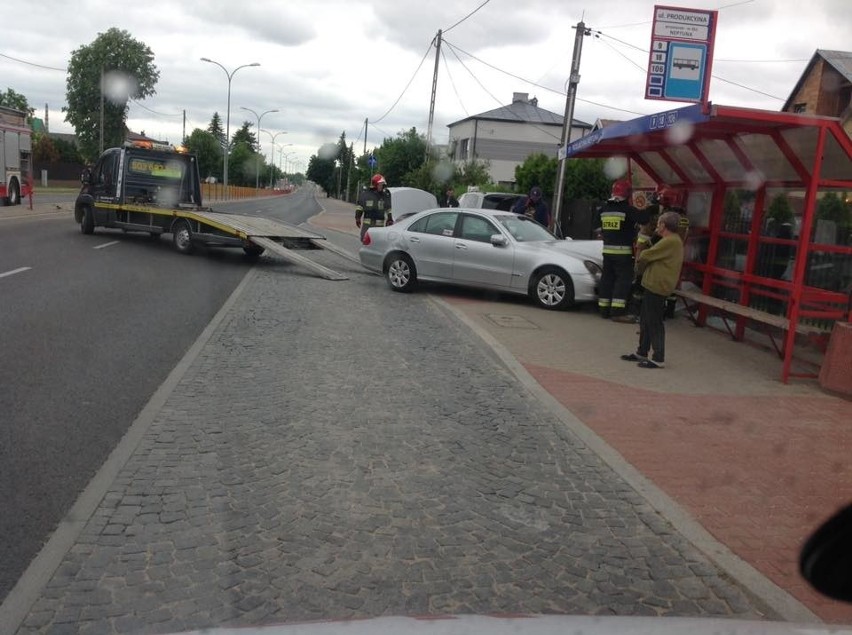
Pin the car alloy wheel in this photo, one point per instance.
(400, 274)
(552, 289)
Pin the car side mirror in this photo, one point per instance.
(826, 558)
(86, 177)
(499, 240)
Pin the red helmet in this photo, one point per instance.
(377, 178)
(669, 197)
(621, 189)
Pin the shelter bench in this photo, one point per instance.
(726, 308)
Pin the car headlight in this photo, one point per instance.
(593, 268)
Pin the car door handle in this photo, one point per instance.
(461, 246)
(413, 239)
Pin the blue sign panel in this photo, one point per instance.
(372, 161)
(681, 54)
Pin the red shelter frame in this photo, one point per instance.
(709, 150)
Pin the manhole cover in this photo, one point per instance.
(510, 321)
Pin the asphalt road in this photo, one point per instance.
(91, 327)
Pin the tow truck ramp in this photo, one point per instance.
(279, 238)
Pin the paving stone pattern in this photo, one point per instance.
(338, 450)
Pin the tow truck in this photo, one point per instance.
(155, 188)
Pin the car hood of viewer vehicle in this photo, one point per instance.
(537, 625)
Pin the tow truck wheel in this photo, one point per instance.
(182, 237)
(253, 251)
(87, 221)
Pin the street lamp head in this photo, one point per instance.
(206, 59)
(255, 64)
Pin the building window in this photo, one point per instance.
(800, 107)
(463, 148)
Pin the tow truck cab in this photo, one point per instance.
(138, 177)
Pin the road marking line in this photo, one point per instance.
(114, 242)
(14, 271)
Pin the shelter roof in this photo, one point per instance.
(697, 146)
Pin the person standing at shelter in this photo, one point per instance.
(373, 208)
(533, 206)
(660, 268)
(617, 222)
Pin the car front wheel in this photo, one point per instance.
(552, 289)
(400, 273)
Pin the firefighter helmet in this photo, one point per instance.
(377, 178)
(621, 189)
(669, 197)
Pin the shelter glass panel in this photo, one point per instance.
(689, 163)
(661, 167)
(836, 164)
(803, 142)
(732, 253)
(722, 158)
(767, 159)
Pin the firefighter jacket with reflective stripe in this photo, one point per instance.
(375, 206)
(617, 221)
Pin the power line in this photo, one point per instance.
(154, 112)
(722, 79)
(453, 84)
(532, 83)
(476, 79)
(467, 16)
(419, 66)
(50, 68)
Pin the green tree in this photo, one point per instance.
(401, 155)
(732, 212)
(44, 150)
(473, 172)
(321, 168)
(207, 149)
(834, 208)
(11, 99)
(586, 179)
(537, 169)
(68, 151)
(215, 128)
(128, 73)
(780, 210)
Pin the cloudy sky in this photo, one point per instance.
(327, 65)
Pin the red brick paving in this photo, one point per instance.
(759, 473)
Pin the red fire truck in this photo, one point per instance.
(15, 156)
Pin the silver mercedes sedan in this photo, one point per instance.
(488, 249)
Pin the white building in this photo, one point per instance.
(506, 136)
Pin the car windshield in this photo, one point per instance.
(524, 229)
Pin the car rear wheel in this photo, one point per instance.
(400, 273)
(552, 289)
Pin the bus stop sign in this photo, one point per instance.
(681, 54)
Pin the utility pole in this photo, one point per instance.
(365, 136)
(569, 112)
(434, 90)
(349, 169)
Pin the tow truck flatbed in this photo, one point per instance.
(157, 191)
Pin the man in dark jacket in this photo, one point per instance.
(534, 207)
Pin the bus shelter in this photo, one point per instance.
(769, 198)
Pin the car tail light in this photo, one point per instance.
(366, 239)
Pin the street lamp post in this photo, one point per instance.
(228, 115)
(257, 161)
(272, 152)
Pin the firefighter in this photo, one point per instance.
(617, 228)
(373, 208)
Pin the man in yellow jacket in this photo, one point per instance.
(660, 269)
